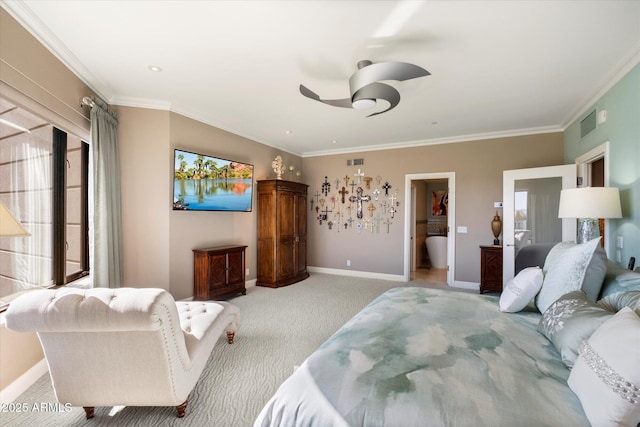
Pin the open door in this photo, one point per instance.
(530, 210)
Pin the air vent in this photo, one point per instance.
(355, 162)
(588, 124)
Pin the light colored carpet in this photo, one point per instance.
(279, 329)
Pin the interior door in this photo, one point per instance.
(530, 210)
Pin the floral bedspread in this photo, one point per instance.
(423, 357)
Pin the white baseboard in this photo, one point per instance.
(23, 382)
(466, 285)
(250, 283)
(355, 273)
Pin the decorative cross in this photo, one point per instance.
(353, 184)
(378, 179)
(333, 202)
(359, 175)
(326, 212)
(311, 203)
(386, 188)
(326, 187)
(322, 201)
(367, 223)
(330, 224)
(392, 211)
(371, 208)
(346, 224)
(317, 195)
(393, 199)
(346, 180)
(376, 193)
(337, 182)
(378, 220)
(350, 221)
(359, 199)
(367, 182)
(321, 218)
(343, 193)
(384, 205)
(359, 227)
(387, 222)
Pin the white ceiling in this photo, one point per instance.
(498, 68)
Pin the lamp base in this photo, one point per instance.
(588, 229)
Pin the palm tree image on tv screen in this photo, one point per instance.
(205, 183)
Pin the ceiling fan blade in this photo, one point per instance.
(385, 71)
(378, 90)
(344, 103)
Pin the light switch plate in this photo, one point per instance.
(619, 242)
(462, 229)
(497, 204)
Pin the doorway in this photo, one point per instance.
(431, 215)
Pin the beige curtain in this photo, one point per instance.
(106, 268)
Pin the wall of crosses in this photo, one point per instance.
(357, 203)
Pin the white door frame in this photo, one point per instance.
(584, 172)
(569, 228)
(451, 221)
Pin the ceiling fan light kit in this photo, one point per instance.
(366, 88)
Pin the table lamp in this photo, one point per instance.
(9, 225)
(587, 204)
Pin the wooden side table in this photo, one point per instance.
(490, 268)
(218, 272)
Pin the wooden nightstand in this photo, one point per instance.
(490, 268)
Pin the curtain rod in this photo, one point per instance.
(87, 101)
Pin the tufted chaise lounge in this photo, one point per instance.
(125, 346)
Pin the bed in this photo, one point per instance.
(424, 357)
(417, 357)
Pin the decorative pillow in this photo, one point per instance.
(520, 290)
(569, 267)
(606, 376)
(619, 279)
(615, 302)
(571, 320)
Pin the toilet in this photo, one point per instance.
(437, 250)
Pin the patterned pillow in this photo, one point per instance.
(520, 290)
(569, 321)
(569, 267)
(606, 376)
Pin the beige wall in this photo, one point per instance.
(27, 67)
(478, 167)
(143, 138)
(158, 241)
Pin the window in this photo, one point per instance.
(44, 183)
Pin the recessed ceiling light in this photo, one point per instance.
(288, 132)
(154, 68)
(334, 141)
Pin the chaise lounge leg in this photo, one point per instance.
(88, 410)
(182, 408)
(230, 336)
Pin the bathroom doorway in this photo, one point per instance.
(429, 240)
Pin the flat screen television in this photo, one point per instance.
(206, 183)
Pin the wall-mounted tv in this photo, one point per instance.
(206, 183)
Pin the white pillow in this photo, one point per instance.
(606, 376)
(520, 290)
(569, 267)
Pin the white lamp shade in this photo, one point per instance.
(590, 202)
(9, 225)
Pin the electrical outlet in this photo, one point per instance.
(348, 263)
(618, 255)
(462, 229)
(619, 242)
(246, 272)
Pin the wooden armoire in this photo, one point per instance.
(282, 232)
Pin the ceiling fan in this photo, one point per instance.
(366, 88)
